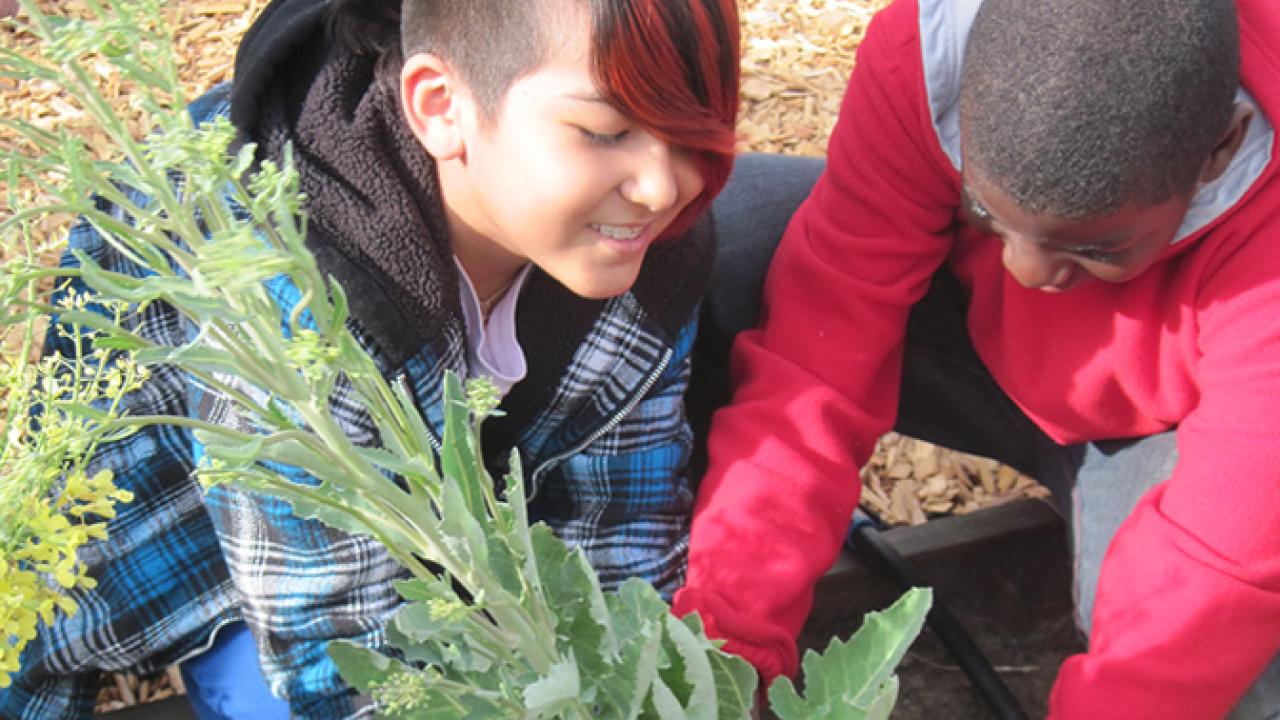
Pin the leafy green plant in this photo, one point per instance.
(53, 414)
(854, 679)
(502, 619)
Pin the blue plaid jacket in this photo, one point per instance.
(599, 424)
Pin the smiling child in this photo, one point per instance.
(510, 189)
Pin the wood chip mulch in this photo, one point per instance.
(126, 689)
(797, 55)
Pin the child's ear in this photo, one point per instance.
(432, 104)
(1228, 145)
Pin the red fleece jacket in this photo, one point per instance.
(1188, 607)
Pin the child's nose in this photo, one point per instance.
(1033, 266)
(653, 182)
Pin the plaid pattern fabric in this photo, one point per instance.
(605, 459)
(609, 475)
(162, 585)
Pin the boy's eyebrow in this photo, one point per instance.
(968, 199)
(1107, 243)
(1110, 242)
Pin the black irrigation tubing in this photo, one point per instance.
(982, 675)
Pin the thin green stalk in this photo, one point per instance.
(86, 93)
(500, 643)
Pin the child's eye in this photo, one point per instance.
(1107, 257)
(977, 211)
(604, 138)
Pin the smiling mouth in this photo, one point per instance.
(620, 232)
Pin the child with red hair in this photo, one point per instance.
(509, 189)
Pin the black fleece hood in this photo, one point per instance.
(282, 28)
(374, 215)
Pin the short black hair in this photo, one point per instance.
(489, 42)
(1075, 108)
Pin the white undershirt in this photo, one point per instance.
(492, 349)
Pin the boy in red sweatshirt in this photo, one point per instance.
(1048, 232)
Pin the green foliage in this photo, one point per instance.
(53, 414)
(501, 618)
(608, 655)
(854, 680)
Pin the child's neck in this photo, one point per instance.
(490, 267)
(490, 273)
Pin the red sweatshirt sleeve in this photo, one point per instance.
(1188, 607)
(817, 384)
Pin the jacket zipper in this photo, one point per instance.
(208, 643)
(608, 426)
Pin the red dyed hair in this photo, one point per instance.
(642, 49)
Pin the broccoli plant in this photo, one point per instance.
(501, 618)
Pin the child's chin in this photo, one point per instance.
(597, 294)
(598, 288)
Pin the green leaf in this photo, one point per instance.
(637, 670)
(460, 456)
(434, 626)
(464, 533)
(242, 453)
(85, 411)
(409, 410)
(195, 357)
(406, 467)
(735, 684)
(665, 704)
(422, 590)
(503, 564)
(361, 667)
(571, 587)
(120, 341)
(634, 606)
(698, 675)
(339, 310)
(555, 691)
(851, 675)
(425, 652)
(881, 706)
(306, 502)
(786, 703)
(421, 623)
(637, 614)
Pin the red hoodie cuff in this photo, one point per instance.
(771, 659)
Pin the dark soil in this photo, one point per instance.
(933, 686)
(1005, 576)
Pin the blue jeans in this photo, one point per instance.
(1111, 478)
(947, 397)
(225, 682)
